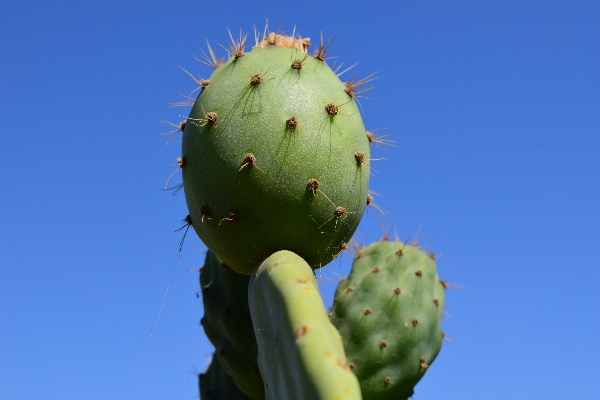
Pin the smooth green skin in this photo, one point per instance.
(215, 384)
(300, 352)
(376, 272)
(272, 196)
(228, 325)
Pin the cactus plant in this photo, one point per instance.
(275, 163)
(228, 325)
(389, 312)
(275, 140)
(300, 352)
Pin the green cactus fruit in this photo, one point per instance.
(300, 352)
(215, 384)
(389, 313)
(228, 325)
(275, 140)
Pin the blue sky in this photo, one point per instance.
(495, 110)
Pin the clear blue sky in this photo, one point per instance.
(495, 110)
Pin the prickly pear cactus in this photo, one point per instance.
(300, 352)
(215, 384)
(275, 155)
(389, 312)
(228, 325)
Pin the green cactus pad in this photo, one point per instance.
(228, 325)
(215, 384)
(300, 352)
(274, 141)
(389, 312)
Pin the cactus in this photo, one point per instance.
(228, 326)
(275, 163)
(300, 352)
(215, 384)
(274, 140)
(389, 312)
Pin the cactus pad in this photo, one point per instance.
(389, 312)
(228, 325)
(274, 141)
(215, 384)
(300, 352)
